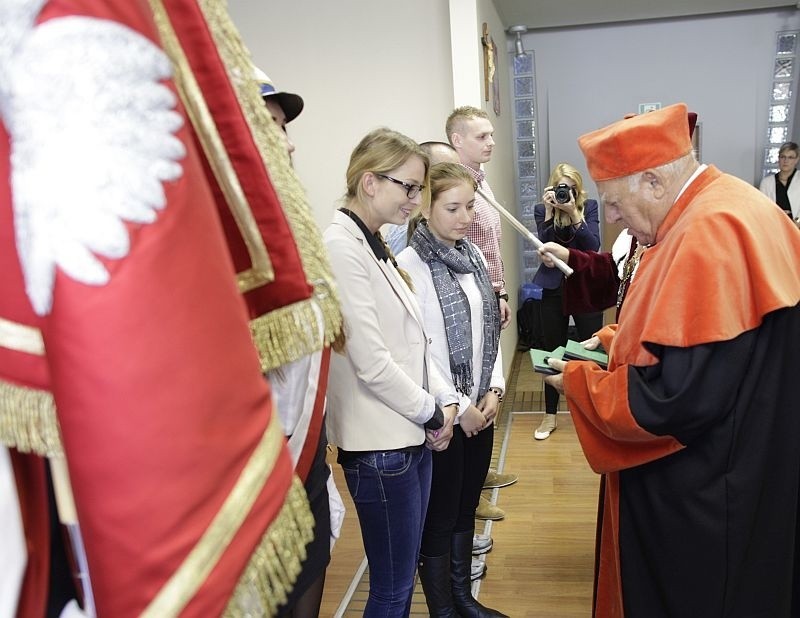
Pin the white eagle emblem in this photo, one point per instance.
(92, 130)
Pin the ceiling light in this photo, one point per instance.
(519, 49)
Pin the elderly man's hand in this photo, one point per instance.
(557, 380)
(550, 249)
(592, 343)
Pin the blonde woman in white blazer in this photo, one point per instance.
(384, 389)
(782, 187)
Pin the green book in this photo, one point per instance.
(539, 360)
(576, 351)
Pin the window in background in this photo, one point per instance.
(525, 150)
(782, 99)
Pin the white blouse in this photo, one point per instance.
(433, 321)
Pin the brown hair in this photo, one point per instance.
(443, 177)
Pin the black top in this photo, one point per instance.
(375, 243)
(782, 193)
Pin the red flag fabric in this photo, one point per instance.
(182, 483)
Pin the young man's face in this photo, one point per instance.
(474, 141)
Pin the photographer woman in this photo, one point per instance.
(567, 217)
(384, 392)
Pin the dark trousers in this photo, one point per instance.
(458, 476)
(555, 326)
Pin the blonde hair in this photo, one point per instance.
(380, 151)
(565, 170)
(459, 116)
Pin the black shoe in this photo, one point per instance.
(460, 562)
(434, 575)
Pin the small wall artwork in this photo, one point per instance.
(491, 81)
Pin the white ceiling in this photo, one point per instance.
(536, 14)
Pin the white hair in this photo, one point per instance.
(669, 170)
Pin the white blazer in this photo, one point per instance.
(767, 187)
(377, 398)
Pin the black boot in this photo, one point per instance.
(434, 574)
(460, 561)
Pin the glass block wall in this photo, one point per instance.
(525, 151)
(782, 99)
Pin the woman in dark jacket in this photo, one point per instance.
(567, 217)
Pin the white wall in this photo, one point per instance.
(719, 66)
(358, 65)
(500, 170)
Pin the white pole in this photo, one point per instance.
(560, 264)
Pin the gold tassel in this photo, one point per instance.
(275, 564)
(28, 420)
(287, 332)
(273, 153)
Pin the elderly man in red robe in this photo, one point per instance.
(695, 421)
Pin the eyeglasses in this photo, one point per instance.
(411, 190)
(788, 157)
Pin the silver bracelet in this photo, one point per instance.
(497, 392)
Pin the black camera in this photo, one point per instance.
(563, 192)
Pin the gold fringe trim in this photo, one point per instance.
(292, 196)
(184, 583)
(28, 420)
(275, 564)
(287, 332)
(261, 272)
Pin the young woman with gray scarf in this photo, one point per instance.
(461, 316)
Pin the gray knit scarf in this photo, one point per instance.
(445, 262)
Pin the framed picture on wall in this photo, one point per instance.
(491, 81)
(648, 107)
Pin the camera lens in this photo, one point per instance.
(562, 193)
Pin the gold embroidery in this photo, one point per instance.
(628, 269)
(292, 196)
(193, 572)
(261, 271)
(285, 333)
(28, 420)
(21, 338)
(277, 561)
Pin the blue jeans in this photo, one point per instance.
(390, 490)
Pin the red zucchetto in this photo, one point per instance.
(637, 143)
